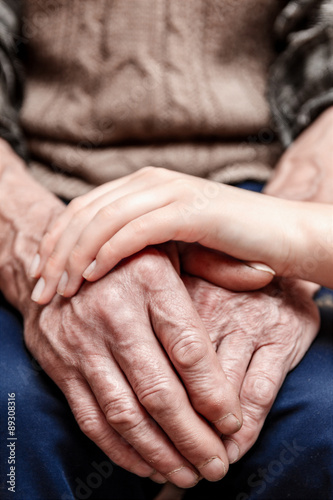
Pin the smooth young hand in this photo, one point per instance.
(153, 206)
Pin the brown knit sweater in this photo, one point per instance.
(113, 86)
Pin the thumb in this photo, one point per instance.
(223, 270)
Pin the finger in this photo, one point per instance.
(54, 269)
(190, 350)
(143, 178)
(166, 223)
(234, 354)
(223, 270)
(157, 226)
(163, 396)
(94, 425)
(128, 418)
(110, 220)
(55, 230)
(262, 382)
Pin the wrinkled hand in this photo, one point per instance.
(305, 171)
(109, 350)
(259, 337)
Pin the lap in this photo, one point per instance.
(293, 456)
(54, 460)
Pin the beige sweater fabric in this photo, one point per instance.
(113, 86)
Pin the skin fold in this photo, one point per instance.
(81, 342)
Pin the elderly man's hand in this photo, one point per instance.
(259, 337)
(305, 170)
(117, 351)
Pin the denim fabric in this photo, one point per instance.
(293, 457)
(54, 460)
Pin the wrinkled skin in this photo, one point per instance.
(259, 337)
(87, 344)
(305, 171)
(250, 331)
(64, 336)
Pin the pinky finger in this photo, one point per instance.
(156, 227)
(93, 424)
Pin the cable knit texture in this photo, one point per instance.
(301, 81)
(10, 75)
(112, 86)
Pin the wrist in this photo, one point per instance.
(308, 244)
(26, 210)
(314, 262)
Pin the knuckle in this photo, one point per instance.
(109, 211)
(158, 398)
(121, 413)
(249, 433)
(119, 453)
(75, 205)
(80, 218)
(89, 422)
(157, 455)
(163, 172)
(149, 169)
(158, 173)
(188, 351)
(76, 259)
(177, 182)
(105, 253)
(259, 391)
(47, 243)
(53, 266)
(138, 226)
(151, 266)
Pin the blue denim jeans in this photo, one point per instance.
(293, 457)
(52, 459)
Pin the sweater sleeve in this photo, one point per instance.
(11, 79)
(301, 79)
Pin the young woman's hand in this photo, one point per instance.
(150, 207)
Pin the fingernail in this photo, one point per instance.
(62, 283)
(38, 290)
(260, 267)
(34, 265)
(89, 269)
(183, 477)
(158, 478)
(228, 424)
(232, 450)
(214, 469)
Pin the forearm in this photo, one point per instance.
(26, 209)
(305, 170)
(291, 237)
(301, 244)
(300, 241)
(315, 259)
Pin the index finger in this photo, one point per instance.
(56, 229)
(191, 352)
(262, 381)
